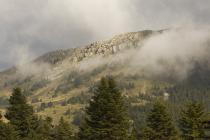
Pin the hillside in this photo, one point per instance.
(59, 83)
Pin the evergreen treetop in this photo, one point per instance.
(20, 114)
(160, 125)
(63, 131)
(106, 116)
(191, 120)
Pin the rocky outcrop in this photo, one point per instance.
(61, 60)
(100, 48)
(114, 45)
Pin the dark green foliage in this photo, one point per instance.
(180, 94)
(63, 131)
(44, 131)
(139, 114)
(7, 132)
(195, 87)
(191, 121)
(107, 115)
(159, 124)
(20, 114)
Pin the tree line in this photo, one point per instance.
(106, 118)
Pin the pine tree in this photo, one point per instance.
(160, 125)
(63, 131)
(107, 116)
(20, 114)
(44, 131)
(191, 121)
(7, 132)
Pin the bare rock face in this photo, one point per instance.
(112, 46)
(102, 48)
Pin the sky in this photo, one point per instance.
(33, 27)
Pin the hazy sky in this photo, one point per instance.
(39, 26)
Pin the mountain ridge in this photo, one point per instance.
(57, 78)
(63, 80)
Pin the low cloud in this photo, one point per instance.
(173, 53)
(54, 24)
(25, 65)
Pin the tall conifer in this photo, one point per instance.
(63, 131)
(107, 116)
(160, 125)
(20, 114)
(191, 121)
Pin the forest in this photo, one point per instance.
(109, 116)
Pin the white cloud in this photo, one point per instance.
(55, 24)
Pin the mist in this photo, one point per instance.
(49, 25)
(172, 53)
(25, 65)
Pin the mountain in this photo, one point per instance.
(59, 83)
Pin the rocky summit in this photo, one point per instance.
(104, 48)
